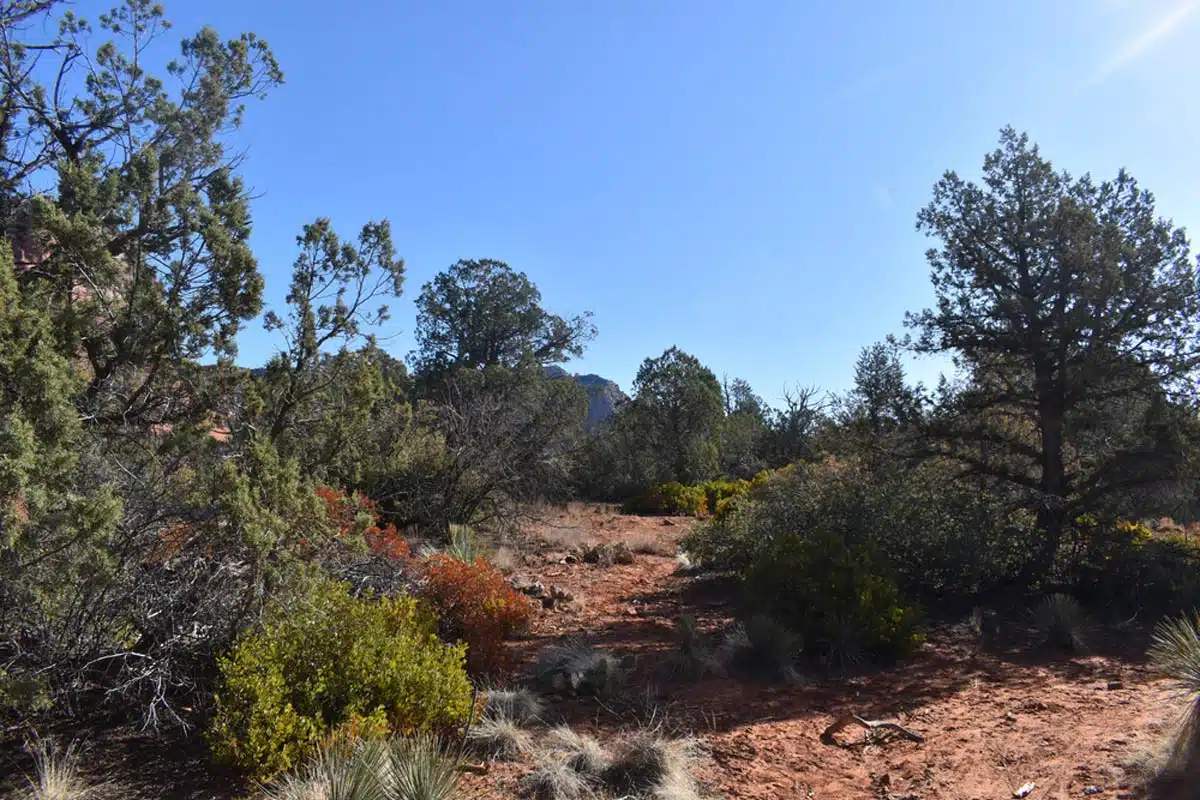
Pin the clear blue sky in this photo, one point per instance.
(737, 179)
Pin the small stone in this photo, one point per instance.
(571, 559)
(1115, 685)
(1009, 716)
(633, 612)
(1025, 790)
(1092, 790)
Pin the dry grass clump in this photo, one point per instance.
(642, 764)
(693, 658)
(56, 774)
(582, 753)
(579, 668)
(553, 779)
(499, 737)
(520, 705)
(1060, 621)
(762, 647)
(652, 546)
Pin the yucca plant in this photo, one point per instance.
(1175, 651)
(421, 769)
(1060, 620)
(463, 544)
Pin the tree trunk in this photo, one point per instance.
(1051, 516)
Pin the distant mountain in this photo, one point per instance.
(603, 395)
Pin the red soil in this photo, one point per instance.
(992, 723)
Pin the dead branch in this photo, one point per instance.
(869, 724)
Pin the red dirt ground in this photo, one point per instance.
(991, 722)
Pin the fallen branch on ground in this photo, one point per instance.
(869, 724)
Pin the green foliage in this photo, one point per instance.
(1044, 282)
(675, 418)
(1126, 566)
(151, 267)
(670, 498)
(840, 598)
(327, 661)
(485, 314)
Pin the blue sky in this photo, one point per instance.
(737, 179)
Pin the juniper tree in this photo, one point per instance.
(1072, 308)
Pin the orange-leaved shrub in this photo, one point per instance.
(349, 513)
(478, 606)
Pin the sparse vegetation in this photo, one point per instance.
(496, 735)
(416, 768)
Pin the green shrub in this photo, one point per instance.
(839, 598)
(1125, 566)
(670, 498)
(330, 662)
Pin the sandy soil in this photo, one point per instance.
(992, 722)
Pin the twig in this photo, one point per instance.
(871, 725)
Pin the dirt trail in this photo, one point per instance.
(991, 723)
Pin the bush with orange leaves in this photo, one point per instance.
(348, 513)
(478, 606)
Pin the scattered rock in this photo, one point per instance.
(560, 594)
(668, 521)
(1025, 790)
(633, 612)
(1115, 685)
(571, 559)
(1092, 790)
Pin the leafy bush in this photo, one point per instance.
(477, 605)
(670, 498)
(941, 540)
(358, 513)
(838, 597)
(1125, 565)
(331, 661)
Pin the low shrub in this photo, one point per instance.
(357, 513)
(670, 498)
(478, 606)
(693, 658)
(839, 598)
(607, 554)
(1126, 566)
(331, 661)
